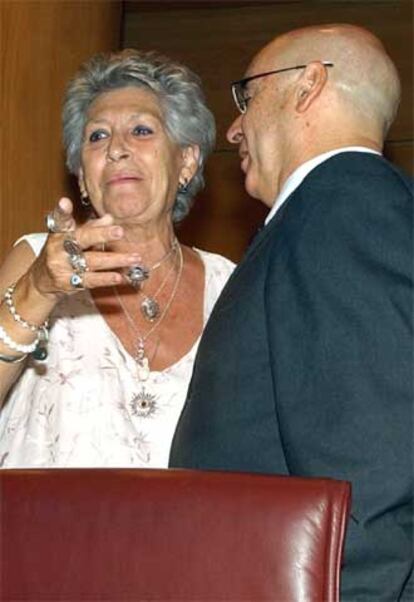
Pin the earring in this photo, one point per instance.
(183, 186)
(85, 199)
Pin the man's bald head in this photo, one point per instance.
(363, 75)
(293, 115)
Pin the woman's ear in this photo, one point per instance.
(310, 85)
(191, 157)
(81, 183)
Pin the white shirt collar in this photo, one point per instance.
(296, 178)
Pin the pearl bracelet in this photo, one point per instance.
(7, 340)
(8, 298)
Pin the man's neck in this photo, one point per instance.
(334, 143)
(295, 178)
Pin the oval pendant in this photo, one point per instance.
(150, 309)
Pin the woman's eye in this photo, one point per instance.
(97, 135)
(142, 130)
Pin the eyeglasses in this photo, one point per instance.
(238, 88)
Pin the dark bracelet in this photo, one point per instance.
(12, 359)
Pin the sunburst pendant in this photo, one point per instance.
(144, 404)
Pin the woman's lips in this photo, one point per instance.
(122, 179)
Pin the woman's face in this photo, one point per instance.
(130, 167)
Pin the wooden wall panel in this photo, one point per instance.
(218, 42)
(217, 39)
(224, 218)
(42, 44)
(401, 153)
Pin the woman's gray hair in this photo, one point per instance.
(187, 118)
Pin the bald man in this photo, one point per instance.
(306, 364)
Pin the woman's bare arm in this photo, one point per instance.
(17, 264)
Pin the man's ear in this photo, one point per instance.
(310, 85)
(191, 156)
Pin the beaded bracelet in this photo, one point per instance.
(7, 340)
(8, 298)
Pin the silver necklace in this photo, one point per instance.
(149, 306)
(139, 273)
(143, 403)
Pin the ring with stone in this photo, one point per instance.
(72, 247)
(78, 262)
(51, 223)
(76, 281)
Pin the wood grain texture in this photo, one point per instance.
(42, 45)
(219, 42)
(402, 154)
(224, 218)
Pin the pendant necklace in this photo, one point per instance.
(143, 403)
(137, 274)
(149, 306)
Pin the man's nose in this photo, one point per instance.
(235, 133)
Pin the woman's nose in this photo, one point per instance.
(117, 149)
(234, 133)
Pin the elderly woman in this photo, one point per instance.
(99, 323)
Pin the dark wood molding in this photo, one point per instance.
(155, 5)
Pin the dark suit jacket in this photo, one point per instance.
(306, 364)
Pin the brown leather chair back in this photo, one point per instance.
(170, 535)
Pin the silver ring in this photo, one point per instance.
(72, 247)
(76, 281)
(78, 262)
(51, 223)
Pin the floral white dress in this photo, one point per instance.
(78, 409)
